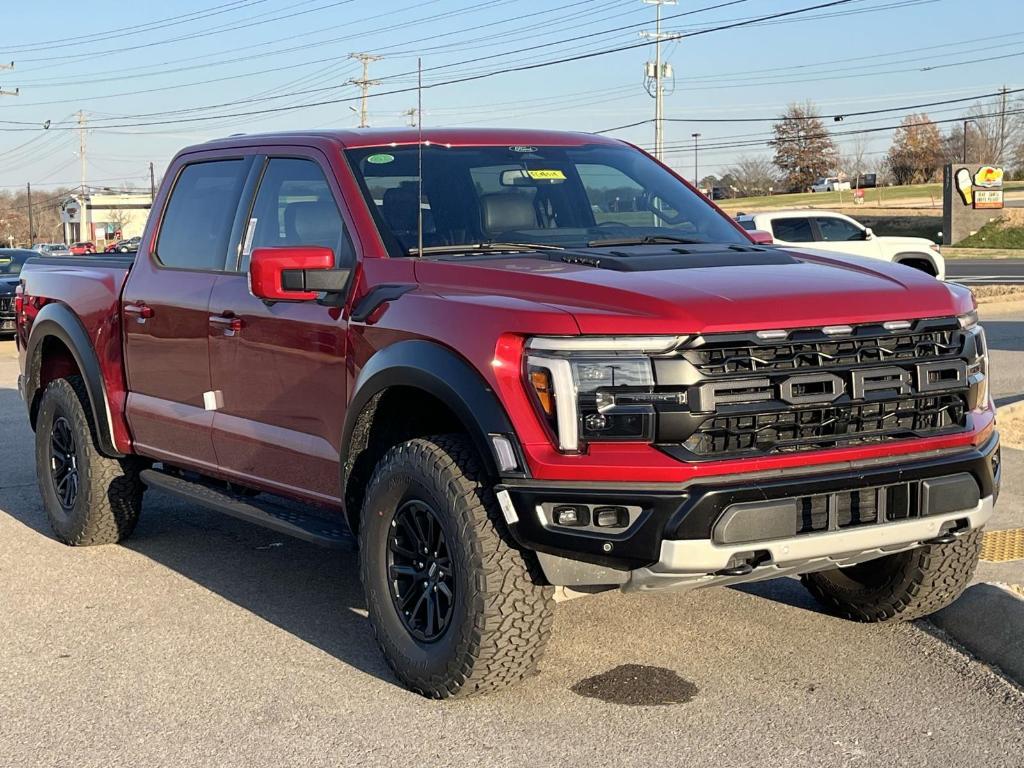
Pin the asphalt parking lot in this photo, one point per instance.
(206, 641)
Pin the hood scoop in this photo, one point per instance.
(649, 259)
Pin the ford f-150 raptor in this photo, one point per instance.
(503, 362)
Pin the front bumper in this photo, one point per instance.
(674, 537)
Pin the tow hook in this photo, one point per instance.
(951, 534)
(740, 570)
(946, 538)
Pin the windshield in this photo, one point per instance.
(549, 196)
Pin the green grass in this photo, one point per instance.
(878, 197)
(995, 235)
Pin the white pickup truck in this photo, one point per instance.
(836, 233)
(830, 184)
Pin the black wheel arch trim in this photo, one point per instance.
(442, 373)
(904, 256)
(56, 320)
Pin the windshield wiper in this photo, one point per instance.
(646, 240)
(491, 247)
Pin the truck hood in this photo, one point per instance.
(696, 289)
(8, 284)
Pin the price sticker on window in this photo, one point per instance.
(546, 175)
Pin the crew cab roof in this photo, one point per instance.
(375, 137)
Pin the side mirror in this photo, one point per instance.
(294, 273)
(761, 237)
(868, 233)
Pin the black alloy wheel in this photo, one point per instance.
(420, 574)
(64, 463)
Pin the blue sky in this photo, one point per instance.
(135, 67)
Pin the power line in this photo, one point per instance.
(484, 75)
(838, 115)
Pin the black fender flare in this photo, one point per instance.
(440, 372)
(58, 321)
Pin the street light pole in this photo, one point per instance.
(696, 173)
(964, 159)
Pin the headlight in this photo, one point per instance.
(977, 369)
(969, 320)
(596, 388)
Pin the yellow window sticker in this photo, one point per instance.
(546, 175)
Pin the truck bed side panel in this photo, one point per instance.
(91, 288)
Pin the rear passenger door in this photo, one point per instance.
(166, 312)
(279, 368)
(793, 229)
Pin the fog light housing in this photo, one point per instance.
(611, 517)
(571, 515)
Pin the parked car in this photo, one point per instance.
(515, 398)
(11, 262)
(124, 246)
(83, 248)
(836, 233)
(830, 184)
(51, 249)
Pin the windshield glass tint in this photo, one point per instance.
(561, 196)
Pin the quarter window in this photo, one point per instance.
(794, 230)
(197, 223)
(295, 207)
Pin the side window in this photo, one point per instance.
(836, 230)
(197, 223)
(793, 230)
(295, 207)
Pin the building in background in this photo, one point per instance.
(104, 217)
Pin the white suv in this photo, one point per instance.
(835, 233)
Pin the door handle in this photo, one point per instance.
(228, 322)
(140, 310)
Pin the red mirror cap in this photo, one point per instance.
(268, 265)
(761, 237)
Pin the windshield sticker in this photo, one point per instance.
(546, 175)
(381, 159)
(5, 261)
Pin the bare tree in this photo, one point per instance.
(804, 151)
(916, 151)
(753, 176)
(852, 159)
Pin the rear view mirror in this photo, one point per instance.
(528, 177)
(761, 237)
(294, 273)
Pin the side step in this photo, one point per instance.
(276, 517)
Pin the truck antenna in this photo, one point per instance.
(419, 155)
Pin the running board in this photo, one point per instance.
(276, 517)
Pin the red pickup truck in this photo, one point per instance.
(500, 363)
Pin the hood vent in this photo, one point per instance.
(648, 259)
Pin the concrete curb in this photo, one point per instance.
(988, 620)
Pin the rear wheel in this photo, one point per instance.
(453, 604)
(88, 497)
(907, 585)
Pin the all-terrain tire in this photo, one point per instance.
(108, 496)
(900, 587)
(501, 617)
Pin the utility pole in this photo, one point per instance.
(2, 91)
(655, 74)
(364, 83)
(81, 145)
(696, 173)
(31, 226)
(1002, 125)
(152, 184)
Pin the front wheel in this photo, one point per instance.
(88, 497)
(452, 602)
(907, 585)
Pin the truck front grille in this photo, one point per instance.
(826, 427)
(6, 305)
(749, 395)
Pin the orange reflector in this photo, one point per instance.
(540, 378)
